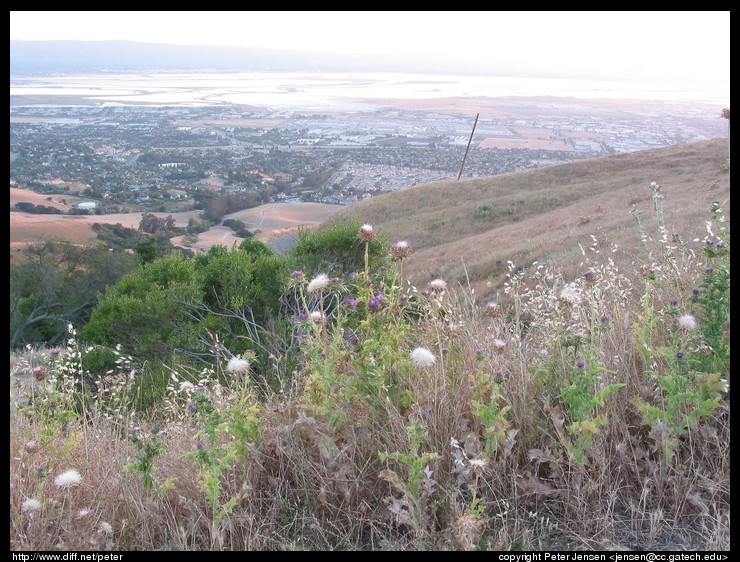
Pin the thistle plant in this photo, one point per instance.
(689, 362)
(582, 399)
(366, 233)
(712, 299)
(417, 485)
(491, 414)
(400, 251)
(229, 426)
(685, 395)
(148, 449)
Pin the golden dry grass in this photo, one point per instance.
(469, 230)
(269, 220)
(26, 228)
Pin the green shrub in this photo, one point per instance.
(336, 250)
(98, 360)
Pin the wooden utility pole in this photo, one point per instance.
(468, 147)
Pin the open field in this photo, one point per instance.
(26, 195)
(271, 218)
(27, 228)
(527, 137)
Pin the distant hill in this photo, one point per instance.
(69, 57)
(468, 230)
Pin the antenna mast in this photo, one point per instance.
(468, 147)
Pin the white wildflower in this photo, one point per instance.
(237, 365)
(318, 283)
(106, 528)
(68, 478)
(84, 513)
(422, 357)
(687, 322)
(186, 386)
(317, 317)
(569, 294)
(438, 285)
(31, 504)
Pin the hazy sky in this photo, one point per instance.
(685, 47)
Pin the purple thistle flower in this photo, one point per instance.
(193, 408)
(721, 244)
(55, 352)
(404, 298)
(589, 275)
(679, 355)
(695, 291)
(401, 250)
(425, 293)
(604, 319)
(374, 303)
(709, 270)
(297, 275)
(351, 302)
(674, 302)
(367, 233)
(354, 340)
(303, 316)
(581, 364)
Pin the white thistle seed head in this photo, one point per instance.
(422, 357)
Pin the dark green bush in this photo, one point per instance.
(98, 360)
(336, 250)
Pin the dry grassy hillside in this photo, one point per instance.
(469, 230)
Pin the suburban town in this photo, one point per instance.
(173, 158)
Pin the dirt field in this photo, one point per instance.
(524, 142)
(271, 220)
(19, 195)
(27, 228)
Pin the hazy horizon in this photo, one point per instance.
(667, 49)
